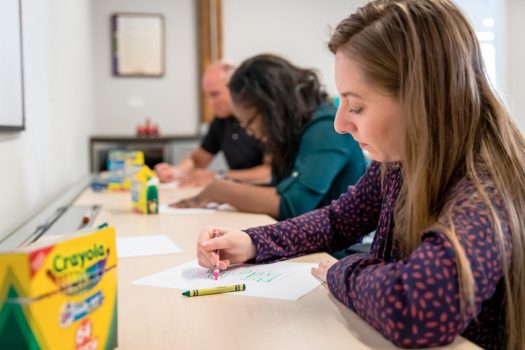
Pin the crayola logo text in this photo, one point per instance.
(61, 263)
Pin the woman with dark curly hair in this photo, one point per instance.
(285, 107)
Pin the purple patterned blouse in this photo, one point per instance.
(413, 302)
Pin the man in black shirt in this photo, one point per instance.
(243, 153)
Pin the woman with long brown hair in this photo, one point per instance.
(445, 193)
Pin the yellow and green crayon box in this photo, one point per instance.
(144, 192)
(60, 293)
(122, 167)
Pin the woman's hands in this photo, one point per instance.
(206, 196)
(321, 271)
(234, 247)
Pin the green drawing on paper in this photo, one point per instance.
(246, 275)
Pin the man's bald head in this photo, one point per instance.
(215, 86)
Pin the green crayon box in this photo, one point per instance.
(144, 192)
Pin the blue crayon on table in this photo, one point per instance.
(214, 290)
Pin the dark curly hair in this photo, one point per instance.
(285, 96)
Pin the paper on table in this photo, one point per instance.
(281, 280)
(212, 208)
(166, 209)
(168, 185)
(145, 245)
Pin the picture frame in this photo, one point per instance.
(12, 114)
(137, 45)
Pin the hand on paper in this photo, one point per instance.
(321, 271)
(192, 202)
(166, 172)
(205, 197)
(234, 246)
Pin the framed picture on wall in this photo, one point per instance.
(137, 45)
(11, 67)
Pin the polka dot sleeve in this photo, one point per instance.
(415, 302)
(354, 214)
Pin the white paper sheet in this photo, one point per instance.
(281, 280)
(168, 185)
(145, 245)
(166, 209)
(210, 209)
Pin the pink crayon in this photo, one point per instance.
(216, 269)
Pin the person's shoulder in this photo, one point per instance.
(470, 211)
(467, 199)
(222, 123)
(465, 188)
(215, 122)
(325, 110)
(320, 131)
(229, 120)
(322, 119)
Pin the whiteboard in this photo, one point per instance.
(11, 73)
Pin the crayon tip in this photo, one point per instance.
(216, 274)
(186, 293)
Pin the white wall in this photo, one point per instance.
(295, 29)
(171, 101)
(515, 60)
(51, 154)
(298, 30)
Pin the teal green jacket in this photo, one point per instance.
(325, 165)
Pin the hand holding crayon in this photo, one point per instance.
(235, 247)
(216, 268)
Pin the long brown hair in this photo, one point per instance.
(426, 54)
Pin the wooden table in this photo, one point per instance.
(160, 318)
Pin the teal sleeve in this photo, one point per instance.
(322, 156)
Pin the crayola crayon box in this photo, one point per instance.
(60, 293)
(122, 167)
(144, 192)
